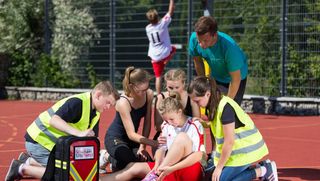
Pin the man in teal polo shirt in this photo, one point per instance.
(227, 62)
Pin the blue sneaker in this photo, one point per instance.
(272, 174)
(210, 165)
(209, 169)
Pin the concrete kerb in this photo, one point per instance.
(250, 103)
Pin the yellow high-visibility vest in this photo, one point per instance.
(44, 134)
(207, 73)
(249, 145)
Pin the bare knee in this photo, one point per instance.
(183, 139)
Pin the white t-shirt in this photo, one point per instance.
(159, 39)
(193, 129)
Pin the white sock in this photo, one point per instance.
(106, 157)
(20, 169)
(263, 170)
(28, 161)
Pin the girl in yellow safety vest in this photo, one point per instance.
(238, 143)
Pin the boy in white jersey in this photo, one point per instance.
(160, 49)
(179, 158)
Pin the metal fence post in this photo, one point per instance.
(207, 7)
(112, 40)
(283, 40)
(189, 65)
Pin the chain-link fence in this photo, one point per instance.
(280, 38)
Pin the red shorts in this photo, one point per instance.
(158, 66)
(193, 172)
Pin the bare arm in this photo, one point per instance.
(157, 117)
(234, 84)
(147, 118)
(228, 131)
(199, 66)
(58, 123)
(171, 7)
(123, 107)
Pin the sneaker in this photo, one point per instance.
(13, 172)
(23, 157)
(151, 176)
(102, 171)
(210, 165)
(272, 174)
(102, 161)
(107, 169)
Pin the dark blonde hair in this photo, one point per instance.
(170, 104)
(152, 16)
(175, 75)
(134, 76)
(199, 86)
(107, 89)
(206, 24)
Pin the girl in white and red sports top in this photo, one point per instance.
(179, 158)
(160, 49)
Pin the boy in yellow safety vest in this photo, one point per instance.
(76, 115)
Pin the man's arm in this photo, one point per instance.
(234, 84)
(171, 7)
(199, 66)
(63, 126)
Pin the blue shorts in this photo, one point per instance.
(38, 152)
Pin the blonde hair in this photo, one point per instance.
(175, 75)
(107, 89)
(170, 104)
(152, 16)
(134, 76)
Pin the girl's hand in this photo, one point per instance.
(162, 140)
(163, 172)
(205, 124)
(143, 154)
(216, 174)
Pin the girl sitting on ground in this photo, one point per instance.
(179, 158)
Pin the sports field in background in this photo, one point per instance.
(293, 141)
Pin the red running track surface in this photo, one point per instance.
(293, 141)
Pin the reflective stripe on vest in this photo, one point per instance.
(239, 135)
(249, 145)
(44, 129)
(44, 134)
(245, 150)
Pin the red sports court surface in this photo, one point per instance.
(293, 141)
